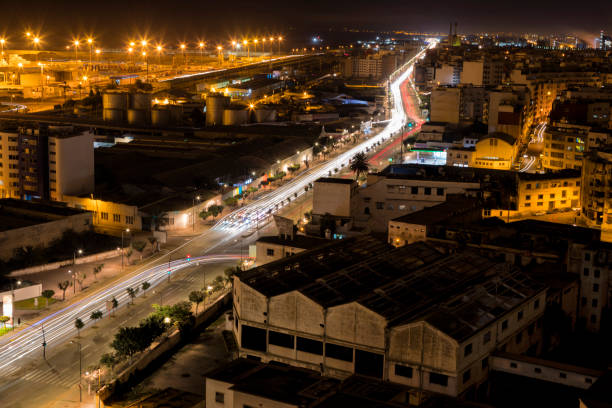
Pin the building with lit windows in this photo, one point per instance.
(411, 315)
(597, 191)
(496, 151)
(565, 144)
(45, 162)
(556, 191)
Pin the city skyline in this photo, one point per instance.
(112, 24)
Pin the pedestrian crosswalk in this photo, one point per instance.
(50, 376)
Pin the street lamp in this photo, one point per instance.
(44, 341)
(220, 49)
(159, 51)
(80, 370)
(183, 46)
(98, 51)
(36, 42)
(77, 251)
(122, 232)
(2, 42)
(76, 50)
(90, 42)
(245, 42)
(193, 211)
(255, 41)
(279, 41)
(144, 55)
(201, 45)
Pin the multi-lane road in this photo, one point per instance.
(208, 248)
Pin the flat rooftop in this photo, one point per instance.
(298, 241)
(453, 206)
(334, 180)
(20, 213)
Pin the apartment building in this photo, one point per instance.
(597, 191)
(596, 285)
(445, 104)
(548, 192)
(411, 315)
(46, 162)
(566, 143)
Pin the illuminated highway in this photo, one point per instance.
(250, 215)
(59, 326)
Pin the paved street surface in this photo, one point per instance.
(223, 244)
(36, 382)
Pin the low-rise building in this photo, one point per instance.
(32, 224)
(108, 217)
(275, 247)
(412, 227)
(460, 156)
(496, 151)
(411, 315)
(556, 191)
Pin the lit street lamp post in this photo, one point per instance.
(80, 370)
(122, 250)
(90, 42)
(44, 341)
(146, 58)
(193, 210)
(76, 50)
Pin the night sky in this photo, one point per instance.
(114, 21)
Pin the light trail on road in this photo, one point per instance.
(59, 326)
(252, 214)
(538, 138)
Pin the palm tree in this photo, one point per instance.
(96, 315)
(114, 304)
(197, 297)
(359, 164)
(145, 286)
(78, 323)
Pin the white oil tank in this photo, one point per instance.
(113, 115)
(234, 116)
(160, 117)
(265, 115)
(215, 105)
(137, 116)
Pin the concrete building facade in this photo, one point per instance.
(410, 315)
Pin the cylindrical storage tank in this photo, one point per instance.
(136, 116)
(140, 101)
(176, 113)
(114, 100)
(265, 115)
(160, 117)
(113, 115)
(232, 117)
(215, 105)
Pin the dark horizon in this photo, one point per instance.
(192, 21)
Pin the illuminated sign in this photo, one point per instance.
(7, 306)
